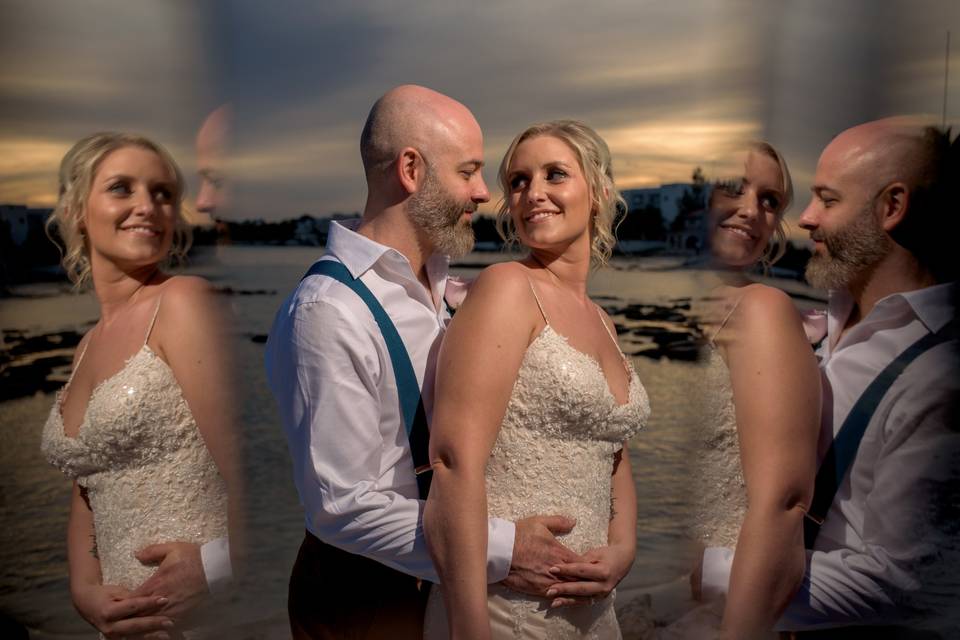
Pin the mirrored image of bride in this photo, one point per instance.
(535, 403)
(143, 426)
(754, 475)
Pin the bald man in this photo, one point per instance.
(340, 392)
(211, 144)
(884, 562)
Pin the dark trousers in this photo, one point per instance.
(339, 595)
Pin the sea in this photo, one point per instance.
(648, 298)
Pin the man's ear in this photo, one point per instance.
(411, 169)
(892, 204)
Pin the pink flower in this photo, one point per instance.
(814, 324)
(456, 291)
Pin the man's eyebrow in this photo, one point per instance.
(471, 164)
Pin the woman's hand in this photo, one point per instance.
(117, 614)
(593, 579)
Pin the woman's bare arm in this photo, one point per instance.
(109, 608)
(478, 365)
(776, 392)
(194, 339)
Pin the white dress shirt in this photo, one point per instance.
(331, 374)
(889, 549)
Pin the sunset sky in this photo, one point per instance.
(670, 84)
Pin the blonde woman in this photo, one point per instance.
(143, 425)
(760, 427)
(535, 401)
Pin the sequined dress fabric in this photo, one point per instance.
(148, 475)
(554, 455)
(720, 492)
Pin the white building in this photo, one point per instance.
(666, 197)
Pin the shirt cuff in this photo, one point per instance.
(715, 579)
(215, 557)
(500, 535)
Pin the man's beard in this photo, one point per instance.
(440, 216)
(851, 252)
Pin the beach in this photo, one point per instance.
(648, 298)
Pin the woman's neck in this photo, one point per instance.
(115, 288)
(570, 269)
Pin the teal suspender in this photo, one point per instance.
(411, 404)
(840, 456)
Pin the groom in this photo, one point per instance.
(883, 219)
(348, 347)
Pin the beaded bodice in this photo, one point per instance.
(562, 427)
(720, 494)
(142, 461)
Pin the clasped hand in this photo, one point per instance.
(152, 610)
(590, 579)
(543, 567)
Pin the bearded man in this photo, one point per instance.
(883, 530)
(351, 360)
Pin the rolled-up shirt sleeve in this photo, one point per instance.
(326, 371)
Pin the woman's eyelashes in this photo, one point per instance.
(123, 188)
(737, 188)
(550, 174)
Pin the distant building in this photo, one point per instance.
(666, 197)
(688, 233)
(26, 254)
(22, 222)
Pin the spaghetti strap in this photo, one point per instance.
(77, 366)
(726, 318)
(153, 320)
(537, 298)
(607, 327)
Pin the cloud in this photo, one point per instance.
(670, 85)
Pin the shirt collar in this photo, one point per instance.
(934, 306)
(359, 254)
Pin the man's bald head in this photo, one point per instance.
(922, 161)
(211, 143)
(881, 152)
(411, 116)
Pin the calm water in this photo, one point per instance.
(34, 496)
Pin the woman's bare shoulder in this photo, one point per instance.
(502, 282)
(760, 303)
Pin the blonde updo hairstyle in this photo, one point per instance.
(77, 171)
(593, 155)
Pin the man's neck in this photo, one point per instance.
(898, 273)
(392, 228)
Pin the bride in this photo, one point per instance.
(535, 401)
(143, 424)
(759, 433)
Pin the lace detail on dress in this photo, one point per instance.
(720, 494)
(554, 455)
(140, 456)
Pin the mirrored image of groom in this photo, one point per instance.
(883, 530)
(351, 359)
